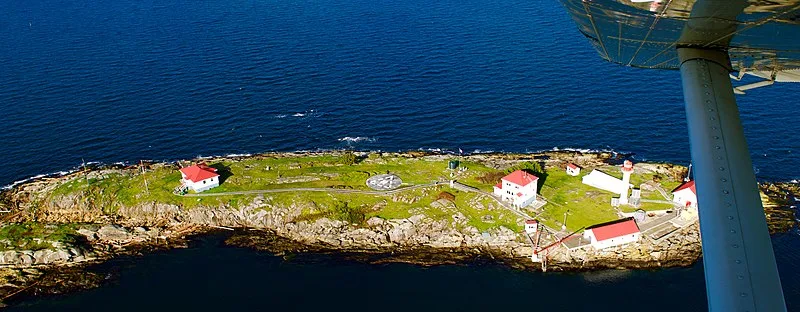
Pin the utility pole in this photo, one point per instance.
(85, 174)
(141, 165)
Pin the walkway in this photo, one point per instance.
(662, 191)
(658, 201)
(654, 222)
(313, 189)
(456, 185)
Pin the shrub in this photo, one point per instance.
(491, 177)
(530, 166)
(343, 212)
(446, 195)
(348, 159)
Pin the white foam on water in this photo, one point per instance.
(349, 139)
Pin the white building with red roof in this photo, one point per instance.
(531, 226)
(518, 187)
(614, 233)
(573, 169)
(199, 177)
(685, 195)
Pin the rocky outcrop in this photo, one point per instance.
(43, 256)
(147, 221)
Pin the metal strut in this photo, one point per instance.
(738, 259)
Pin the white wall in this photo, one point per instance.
(510, 190)
(684, 195)
(573, 172)
(616, 241)
(203, 185)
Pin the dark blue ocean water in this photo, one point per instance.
(125, 80)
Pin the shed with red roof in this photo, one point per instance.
(573, 169)
(685, 195)
(199, 177)
(614, 233)
(531, 226)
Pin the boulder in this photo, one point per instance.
(90, 235)
(375, 221)
(47, 256)
(402, 232)
(113, 233)
(9, 257)
(26, 258)
(416, 218)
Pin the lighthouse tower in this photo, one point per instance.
(627, 169)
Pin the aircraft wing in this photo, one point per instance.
(709, 41)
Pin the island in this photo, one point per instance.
(550, 211)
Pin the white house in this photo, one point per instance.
(573, 169)
(614, 233)
(199, 177)
(685, 195)
(519, 187)
(531, 226)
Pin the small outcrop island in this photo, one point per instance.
(416, 207)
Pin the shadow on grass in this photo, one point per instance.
(223, 171)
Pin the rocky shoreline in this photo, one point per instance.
(279, 229)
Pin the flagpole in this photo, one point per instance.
(85, 174)
(146, 188)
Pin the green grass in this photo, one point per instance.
(318, 171)
(500, 216)
(116, 190)
(588, 205)
(36, 236)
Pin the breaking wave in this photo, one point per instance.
(356, 139)
(36, 177)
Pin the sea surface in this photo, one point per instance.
(124, 80)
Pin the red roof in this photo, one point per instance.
(531, 221)
(197, 173)
(689, 185)
(572, 166)
(520, 178)
(519, 194)
(614, 229)
(499, 185)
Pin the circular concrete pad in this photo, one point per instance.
(384, 182)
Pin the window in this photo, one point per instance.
(204, 181)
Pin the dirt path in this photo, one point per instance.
(314, 189)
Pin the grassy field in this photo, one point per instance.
(319, 171)
(258, 174)
(583, 204)
(586, 205)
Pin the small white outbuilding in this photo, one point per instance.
(531, 226)
(573, 169)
